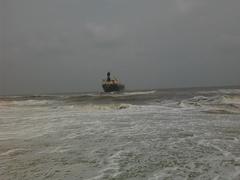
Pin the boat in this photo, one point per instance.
(112, 85)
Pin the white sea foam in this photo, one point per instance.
(231, 100)
(213, 104)
(111, 169)
(139, 93)
(99, 107)
(163, 174)
(32, 102)
(122, 94)
(221, 91)
(116, 140)
(14, 152)
(229, 91)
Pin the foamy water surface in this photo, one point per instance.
(154, 135)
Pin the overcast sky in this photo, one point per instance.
(52, 46)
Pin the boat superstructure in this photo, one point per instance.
(112, 85)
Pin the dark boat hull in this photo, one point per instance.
(113, 87)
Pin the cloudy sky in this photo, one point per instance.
(52, 46)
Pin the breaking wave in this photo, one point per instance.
(139, 93)
(213, 101)
(78, 107)
(98, 107)
(33, 102)
(214, 104)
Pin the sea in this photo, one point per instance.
(169, 134)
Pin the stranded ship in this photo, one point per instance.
(112, 85)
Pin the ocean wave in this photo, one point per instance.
(139, 93)
(102, 98)
(102, 94)
(221, 91)
(32, 102)
(98, 107)
(229, 91)
(222, 111)
(14, 152)
(231, 100)
(124, 94)
(27, 103)
(5, 103)
(81, 105)
(221, 104)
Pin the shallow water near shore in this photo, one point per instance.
(157, 134)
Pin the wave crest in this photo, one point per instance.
(99, 107)
(216, 104)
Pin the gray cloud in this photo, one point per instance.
(63, 46)
(185, 6)
(105, 35)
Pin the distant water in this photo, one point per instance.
(159, 134)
